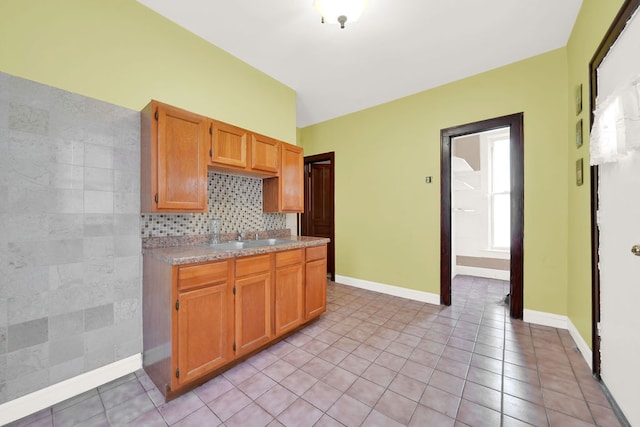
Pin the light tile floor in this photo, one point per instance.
(377, 360)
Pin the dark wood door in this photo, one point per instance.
(318, 217)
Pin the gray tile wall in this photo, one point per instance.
(70, 283)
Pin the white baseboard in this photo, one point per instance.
(561, 322)
(488, 273)
(530, 316)
(584, 348)
(56, 393)
(545, 319)
(396, 291)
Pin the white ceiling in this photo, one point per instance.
(397, 48)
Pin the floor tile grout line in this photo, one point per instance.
(442, 323)
(584, 398)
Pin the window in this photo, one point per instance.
(500, 194)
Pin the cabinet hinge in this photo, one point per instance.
(156, 115)
(234, 289)
(177, 372)
(177, 304)
(156, 198)
(234, 346)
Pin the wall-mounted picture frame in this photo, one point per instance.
(579, 99)
(579, 134)
(579, 175)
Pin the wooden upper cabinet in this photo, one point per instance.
(239, 151)
(292, 177)
(174, 145)
(228, 145)
(265, 154)
(286, 192)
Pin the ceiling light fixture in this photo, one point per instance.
(339, 11)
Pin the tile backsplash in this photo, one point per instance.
(236, 200)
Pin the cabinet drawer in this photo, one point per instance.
(288, 258)
(253, 265)
(316, 252)
(204, 274)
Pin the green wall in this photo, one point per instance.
(123, 53)
(388, 218)
(593, 22)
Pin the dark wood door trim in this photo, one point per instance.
(617, 26)
(317, 158)
(516, 124)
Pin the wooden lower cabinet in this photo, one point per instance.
(315, 281)
(253, 303)
(205, 325)
(200, 319)
(289, 291)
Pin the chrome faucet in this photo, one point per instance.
(239, 235)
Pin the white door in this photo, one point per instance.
(619, 222)
(619, 213)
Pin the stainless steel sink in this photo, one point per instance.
(244, 244)
(270, 242)
(229, 246)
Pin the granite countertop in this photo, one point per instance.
(202, 252)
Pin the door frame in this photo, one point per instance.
(516, 124)
(617, 26)
(331, 158)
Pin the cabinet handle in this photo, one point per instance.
(177, 304)
(156, 198)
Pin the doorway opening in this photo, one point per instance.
(480, 217)
(318, 218)
(499, 193)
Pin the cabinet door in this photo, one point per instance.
(288, 298)
(228, 145)
(181, 160)
(292, 179)
(205, 328)
(315, 288)
(286, 192)
(265, 154)
(253, 312)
